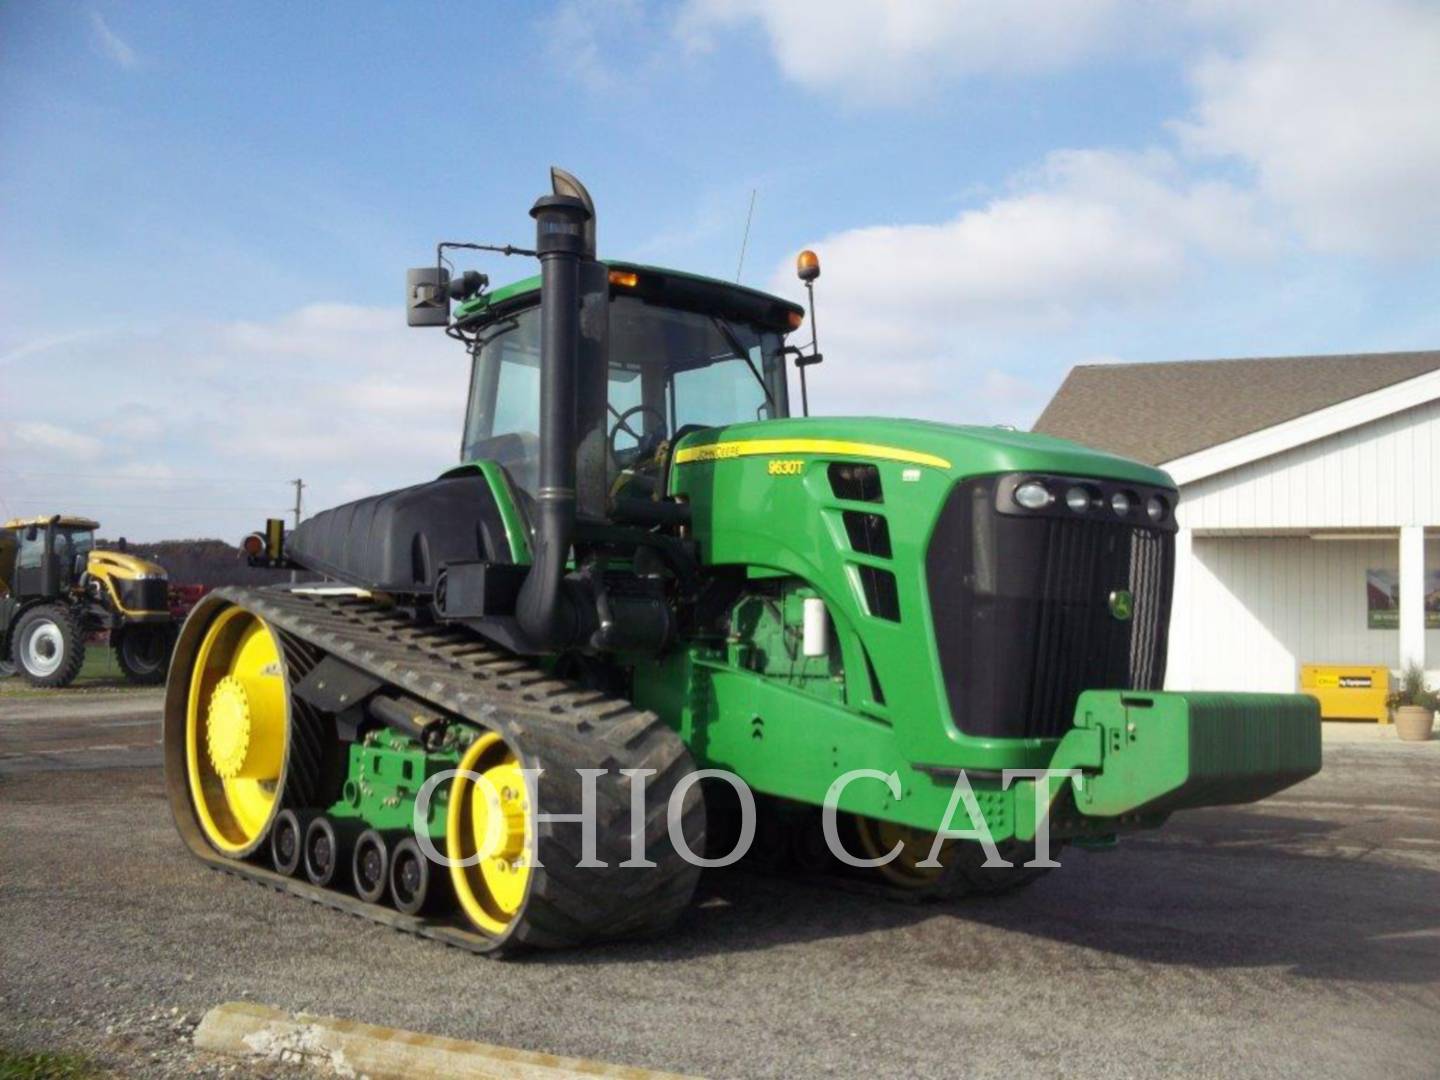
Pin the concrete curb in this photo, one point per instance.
(355, 1050)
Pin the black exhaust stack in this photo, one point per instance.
(552, 615)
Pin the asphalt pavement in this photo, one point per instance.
(1298, 936)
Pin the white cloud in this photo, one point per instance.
(1087, 227)
(50, 440)
(111, 44)
(1328, 107)
(887, 52)
(1334, 107)
(1311, 126)
(138, 424)
(583, 38)
(203, 425)
(1089, 232)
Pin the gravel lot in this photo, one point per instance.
(1297, 936)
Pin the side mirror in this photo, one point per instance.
(32, 534)
(427, 296)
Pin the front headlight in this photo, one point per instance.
(1155, 507)
(1120, 503)
(1033, 495)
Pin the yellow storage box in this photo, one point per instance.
(1346, 692)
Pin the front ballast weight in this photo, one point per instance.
(272, 776)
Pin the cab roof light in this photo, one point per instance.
(807, 265)
(625, 279)
(796, 318)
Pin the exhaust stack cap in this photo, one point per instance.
(560, 225)
(564, 183)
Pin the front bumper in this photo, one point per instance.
(1141, 756)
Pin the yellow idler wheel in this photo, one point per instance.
(878, 838)
(236, 731)
(494, 820)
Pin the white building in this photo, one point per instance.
(1309, 505)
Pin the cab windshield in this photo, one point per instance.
(72, 542)
(30, 554)
(670, 370)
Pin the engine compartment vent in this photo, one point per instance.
(855, 481)
(882, 596)
(869, 533)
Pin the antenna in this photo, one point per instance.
(745, 240)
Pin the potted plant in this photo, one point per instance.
(1413, 705)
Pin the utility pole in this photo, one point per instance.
(299, 489)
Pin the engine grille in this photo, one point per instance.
(148, 595)
(1022, 610)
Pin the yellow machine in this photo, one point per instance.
(56, 590)
(1348, 692)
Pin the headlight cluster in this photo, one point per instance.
(1033, 495)
(1065, 496)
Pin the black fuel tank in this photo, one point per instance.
(398, 542)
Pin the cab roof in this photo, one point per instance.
(677, 287)
(67, 520)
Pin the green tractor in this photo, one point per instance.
(652, 620)
(57, 589)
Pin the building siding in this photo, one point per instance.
(1382, 474)
(1259, 607)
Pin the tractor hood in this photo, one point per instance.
(912, 533)
(958, 450)
(120, 565)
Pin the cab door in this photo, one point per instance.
(30, 563)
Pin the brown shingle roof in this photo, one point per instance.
(1158, 412)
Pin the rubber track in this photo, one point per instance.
(552, 724)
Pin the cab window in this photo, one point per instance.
(670, 369)
(32, 549)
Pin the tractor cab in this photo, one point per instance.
(44, 556)
(678, 354)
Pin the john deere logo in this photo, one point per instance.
(1122, 604)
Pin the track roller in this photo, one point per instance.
(370, 865)
(415, 886)
(327, 847)
(287, 840)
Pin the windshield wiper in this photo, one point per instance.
(743, 353)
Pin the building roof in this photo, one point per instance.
(1159, 412)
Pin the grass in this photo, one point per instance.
(45, 1065)
(101, 671)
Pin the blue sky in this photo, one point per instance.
(207, 210)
